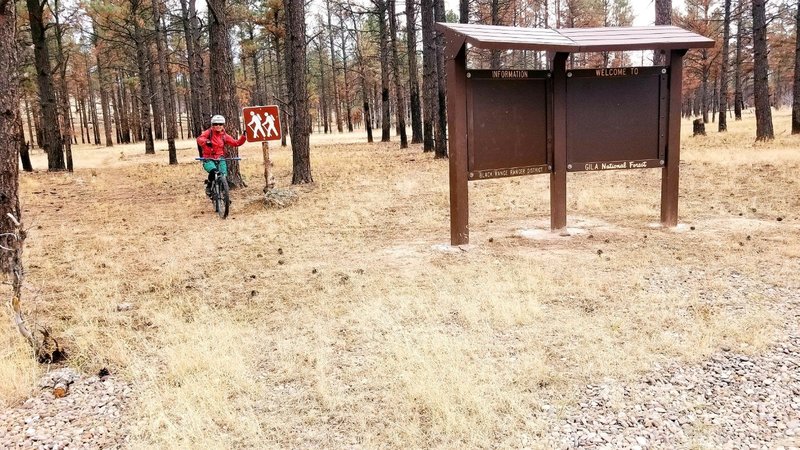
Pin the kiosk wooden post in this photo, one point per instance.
(671, 171)
(558, 176)
(457, 141)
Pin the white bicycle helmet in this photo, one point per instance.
(217, 120)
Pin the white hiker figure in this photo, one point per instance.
(256, 125)
(269, 121)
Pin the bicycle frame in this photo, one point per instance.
(220, 196)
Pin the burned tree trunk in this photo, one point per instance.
(738, 98)
(24, 153)
(380, 10)
(346, 84)
(336, 102)
(429, 85)
(764, 129)
(723, 73)
(401, 102)
(440, 135)
(663, 17)
(223, 100)
(298, 90)
(51, 135)
(413, 80)
(196, 82)
(167, 88)
(144, 84)
(66, 115)
(12, 234)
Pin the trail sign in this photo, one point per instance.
(262, 123)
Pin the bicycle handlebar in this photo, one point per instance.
(218, 159)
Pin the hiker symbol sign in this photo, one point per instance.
(262, 123)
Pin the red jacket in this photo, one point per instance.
(218, 141)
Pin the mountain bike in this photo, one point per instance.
(220, 194)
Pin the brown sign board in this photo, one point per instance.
(261, 123)
(507, 123)
(616, 118)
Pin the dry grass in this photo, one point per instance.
(343, 319)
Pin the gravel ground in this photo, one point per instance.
(729, 401)
(89, 416)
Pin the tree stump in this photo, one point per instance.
(698, 127)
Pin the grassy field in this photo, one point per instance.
(346, 319)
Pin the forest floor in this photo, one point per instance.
(346, 320)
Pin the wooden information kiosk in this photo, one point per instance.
(504, 123)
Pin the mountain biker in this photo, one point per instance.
(212, 142)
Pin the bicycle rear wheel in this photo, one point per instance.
(222, 201)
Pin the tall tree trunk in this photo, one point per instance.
(24, 154)
(191, 35)
(398, 88)
(104, 110)
(37, 123)
(714, 99)
(364, 89)
(346, 84)
(92, 103)
(494, 14)
(137, 128)
(157, 101)
(187, 101)
(336, 102)
(168, 90)
(413, 72)
(323, 88)
(738, 98)
(116, 108)
(796, 86)
(31, 133)
(463, 11)
(723, 73)
(223, 100)
(761, 73)
(80, 107)
(440, 135)
(380, 10)
(124, 107)
(66, 115)
(429, 85)
(663, 17)
(12, 233)
(258, 97)
(51, 135)
(282, 80)
(298, 90)
(144, 83)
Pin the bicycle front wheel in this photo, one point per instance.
(222, 201)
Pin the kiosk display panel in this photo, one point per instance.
(507, 123)
(616, 118)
